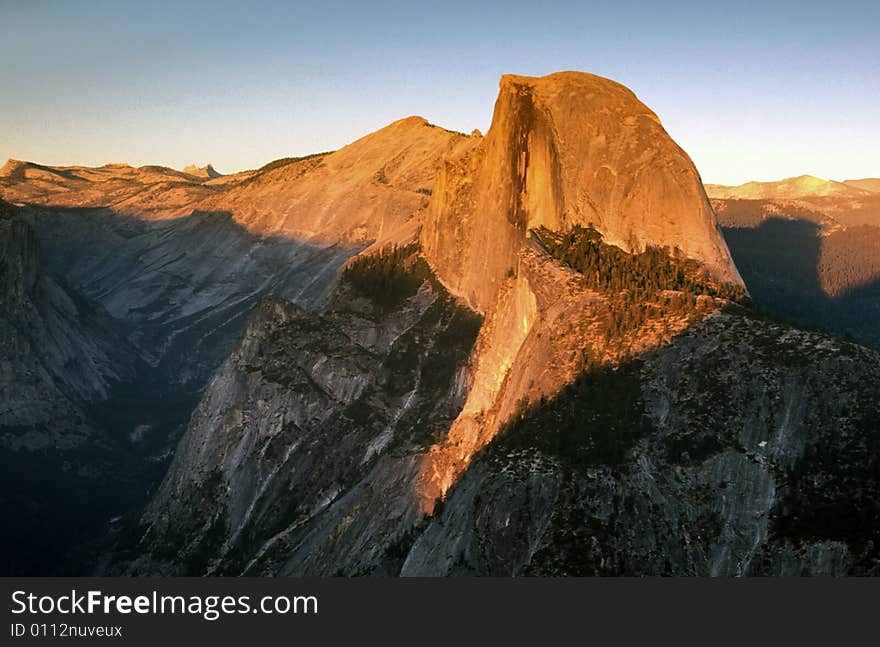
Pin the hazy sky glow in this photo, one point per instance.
(749, 91)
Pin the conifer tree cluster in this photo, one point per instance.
(387, 277)
(609, 269)
(638, 286)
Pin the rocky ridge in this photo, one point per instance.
(174, 263)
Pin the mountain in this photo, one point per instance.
(174, 264)
(61, 356)
(202, 171)
(360, 194)
(849, 203)
(743, 447)
(563, 150)
(181, 260)
(814, 260)
(726, 445)
(868, 184)
(788, 189)
(558, 374)
(333, 395)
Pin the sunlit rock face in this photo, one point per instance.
(328, 445)
(487, 195)
(566, 149)
(359, 194)
(563, 150)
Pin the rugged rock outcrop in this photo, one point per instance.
(53, 346)
(174, 263)
(725, 450)
(207, 172)
(531, 364)
(565, 149)
(744, 447)
(632, 443)
(307, 436)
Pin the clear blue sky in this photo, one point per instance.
(751, 91)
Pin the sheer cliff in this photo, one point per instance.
(60, 355)
(563, 150)
(696, 439)
(743, 447)
(309, 434)
(164, 267)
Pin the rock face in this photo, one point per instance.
(173, 264)
(53, 341)
(177, 257)
(59, 355)
(300, 430)
(357, 195)
(734, 465)
(741, 446)
(643, 478)
(565, 149)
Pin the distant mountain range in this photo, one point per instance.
(803, 186)
(809, 249)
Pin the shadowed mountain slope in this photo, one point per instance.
(174, 263)
(814, 260)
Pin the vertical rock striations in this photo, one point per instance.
(563, 150)
(566, 149)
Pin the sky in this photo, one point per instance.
(751, 90)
